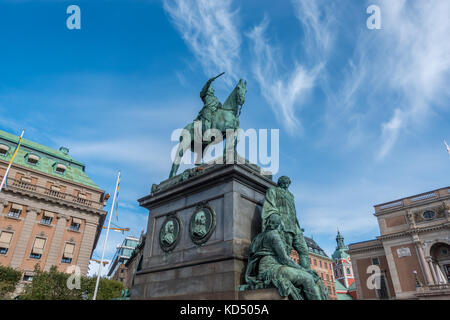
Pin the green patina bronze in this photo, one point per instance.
(169, 234)
(269, 263)
(213, 115)
(202, 224)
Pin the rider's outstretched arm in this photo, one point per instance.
(205, 88)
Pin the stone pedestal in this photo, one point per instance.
(213, 269)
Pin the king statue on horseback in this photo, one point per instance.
(213, 115)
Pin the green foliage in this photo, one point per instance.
(52, 285)
(9, 278)
(107, 289)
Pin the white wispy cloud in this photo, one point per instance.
(315, 19)
(419, 57)
(210, 29)
(282, 92)
(286, 90)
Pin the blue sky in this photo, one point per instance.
(362, 113)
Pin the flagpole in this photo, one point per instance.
(11, 162)
(106, 239)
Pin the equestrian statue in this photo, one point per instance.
(213, 115)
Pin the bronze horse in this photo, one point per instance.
(226, 117)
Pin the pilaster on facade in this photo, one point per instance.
(86, 246)
(24, 238)
(56, 242)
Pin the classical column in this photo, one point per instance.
(86, 246)
(423, 262)
(56, 242)
(24, 237)
(433, 271)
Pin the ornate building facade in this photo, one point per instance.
(343, 271)
(51, 212)
(320, 263)
(411, 257)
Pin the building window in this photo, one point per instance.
(38, 248)
(75, 225)
(5, 241)
(69, 250)
(28, 278)
(320, 263)
(428, 215)
(328, 277)
(3, 150)
(60, 168)
(15, 211)
(47, 218)
(375, 261)
(382, 293)
(315, 262)
(326, 265)
(66, 260)
(32, 159)
(348, 271)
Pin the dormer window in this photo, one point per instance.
(32, 159)
(3, 150)
(60, 168)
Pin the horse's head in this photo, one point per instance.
(236, 97)
(241, 91)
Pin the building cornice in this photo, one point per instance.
(376, 247)
(415, 201)
(414, 231)
(52, 177)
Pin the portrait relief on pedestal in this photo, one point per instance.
(202, 224)
(169, 234)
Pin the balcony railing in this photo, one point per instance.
(21, 185)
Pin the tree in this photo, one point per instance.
(52, 285)
(107, 289)
(9, 278)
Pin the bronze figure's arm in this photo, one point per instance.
(278, 247)
(207, 85)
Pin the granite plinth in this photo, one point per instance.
(214, 269)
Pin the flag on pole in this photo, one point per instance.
(448, 148)
(5, 178)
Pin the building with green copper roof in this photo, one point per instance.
(51, 212)
(48, 159)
